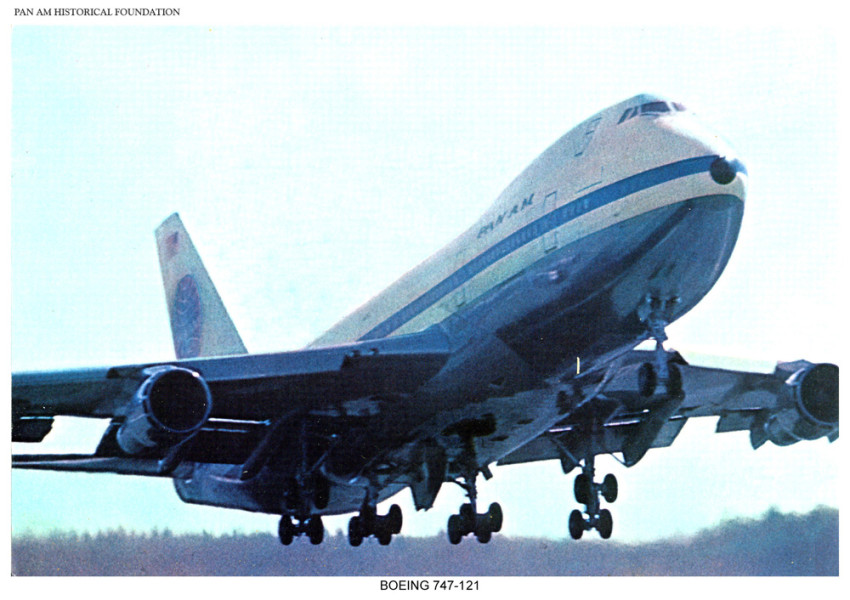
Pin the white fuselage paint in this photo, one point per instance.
(598, 152)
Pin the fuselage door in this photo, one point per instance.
(583, 141)
(550, 238)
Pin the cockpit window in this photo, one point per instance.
(630, 112)
(654, 107)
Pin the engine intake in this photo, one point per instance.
(170, 406)
(816, 393)
(808, 408)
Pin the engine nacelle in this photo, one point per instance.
(808, 406)
(170, 406)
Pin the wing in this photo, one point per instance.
(214, 409)
(798, 401)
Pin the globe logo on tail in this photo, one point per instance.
(186, 319)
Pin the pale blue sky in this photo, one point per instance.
(312, 167)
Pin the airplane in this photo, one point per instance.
(515, 343)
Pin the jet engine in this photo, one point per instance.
(170, 406)
(808, 407)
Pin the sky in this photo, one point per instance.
(314, 166)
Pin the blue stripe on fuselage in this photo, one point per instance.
(531, 232)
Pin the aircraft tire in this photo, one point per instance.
(467, 518)
(286, 530)
(495, 514)
(576, 524)
(355, 532)
(610, 489)
(605, 524)
(395, 518)
(483, 534)
(582, 489)
(315, 530)
(454, 529)
(384, 535)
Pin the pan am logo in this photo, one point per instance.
(186, 318)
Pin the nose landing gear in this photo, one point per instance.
(655, 312)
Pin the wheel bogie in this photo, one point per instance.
(312, 527)
(367, 523)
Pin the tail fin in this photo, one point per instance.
(200, 324)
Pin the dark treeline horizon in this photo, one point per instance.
(774, 544)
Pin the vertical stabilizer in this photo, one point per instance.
(200, 325)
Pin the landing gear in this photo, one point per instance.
(609, 488)
(656, 313)
(368, 522)
(482, 525)
(311, 526)
(587, 492)
(469, 520)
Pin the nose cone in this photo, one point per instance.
(724, 170)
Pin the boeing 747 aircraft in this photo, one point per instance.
(515, 343)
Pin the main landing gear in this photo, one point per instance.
(311, 526)
(587, 492)
(469, 520)
(368, 522)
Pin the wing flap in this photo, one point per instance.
(797, 401)
(737, 420)
(87, 463)
(568, 443)
(248, 387)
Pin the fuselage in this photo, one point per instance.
(638, 202)
(600, 194)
